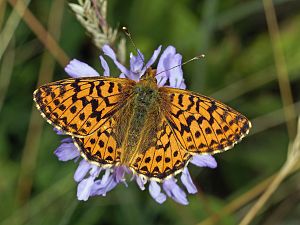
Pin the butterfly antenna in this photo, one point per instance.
(128, 34)
(188, 61)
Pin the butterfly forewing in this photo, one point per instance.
(202, 124)
(79, 107)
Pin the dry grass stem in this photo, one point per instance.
(281, 69)
(6, 70)
(30, 151)
(42, 34)
(292, 163)
(11, 24)
(2, 12)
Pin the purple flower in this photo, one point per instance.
(95, 180)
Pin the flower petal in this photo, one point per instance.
(182, 85)
(101, 188)
(169, 67)
(95, 170)
(163, 63)
(59, 132)
(155, 192)
(111, 54)
(140, 181)
(188, 182)
(119, 173)
(122, 75)
(174, 191)
(161, 79)
(175, 74)
(106, 176)
(77, 69)
(204, 161)
(82, 170)
(136, 62)
(67, 150)
(104, 66)
(84, 188)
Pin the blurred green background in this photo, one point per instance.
(239, 69)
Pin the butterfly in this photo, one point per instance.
(150, 129)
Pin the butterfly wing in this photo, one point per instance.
(100, 147)
(202, 124)
(165, 156)
(79, 107)
(104, 147)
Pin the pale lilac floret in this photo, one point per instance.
(155, 192)
(188, 182)
(137, 67)
(96, 180)
(77, 69)
(174, 191)
(67, 150)
(170, 59)
(204, 161)
(104, 66)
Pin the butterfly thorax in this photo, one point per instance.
(144, 113)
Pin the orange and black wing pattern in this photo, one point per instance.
(164, 157)
(80, 106)
(202, 124)
(101, 147)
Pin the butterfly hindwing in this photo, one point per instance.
(164, 157)
(202, 124)
(80, 106)
(100, 147)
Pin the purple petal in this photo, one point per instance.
(204, 161)
(82, 170)
(136, 62)
(188, 182)
(95, 170)
(163, 63)
(77, 69)
(104, 66)
(122, 75)
(161, 79)
(140, 181)
(101, 188)
(67, 140)
(155, 192)
(111, 54)
(67, 150)
(119, 173)
(182, 85)
(58, 131)
(153, 58)
(84, 188)
(174, 191)
(175, 74)
(106, 176)
(169, 68)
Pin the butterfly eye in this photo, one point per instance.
(138, 89)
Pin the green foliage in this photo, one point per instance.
(238, 69)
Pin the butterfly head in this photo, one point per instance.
(149, 76)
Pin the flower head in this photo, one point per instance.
(95, 180)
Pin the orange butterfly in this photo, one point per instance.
(151, 129)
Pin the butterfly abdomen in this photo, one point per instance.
(144, 109)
